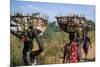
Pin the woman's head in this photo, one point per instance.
(72, 36)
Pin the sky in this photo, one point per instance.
(52, 9)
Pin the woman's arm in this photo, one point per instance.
(64, 56)
(40, 43)
(89, 42)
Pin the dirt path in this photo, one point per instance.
(59, 60)
(91, 53)
(90, 56)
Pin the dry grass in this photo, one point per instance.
(52, 53)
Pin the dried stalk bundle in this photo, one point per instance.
(70, 23)
(23, 23)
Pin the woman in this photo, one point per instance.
(70, 50)
(29, 55)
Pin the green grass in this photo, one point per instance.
(92, 36)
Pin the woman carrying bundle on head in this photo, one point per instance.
(70, 50)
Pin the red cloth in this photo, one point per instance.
(71, 52)
(74, 52)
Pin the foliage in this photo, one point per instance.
(53, 39)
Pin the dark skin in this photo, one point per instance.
(71, 38)
(90, 43)
(65, 53)
(28, 38)
(86, 52)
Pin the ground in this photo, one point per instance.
(53, 49)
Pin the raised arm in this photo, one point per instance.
(64, 53)
(89, 42)
(40, 43)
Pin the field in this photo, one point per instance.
(53, 48)
(57, 18)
